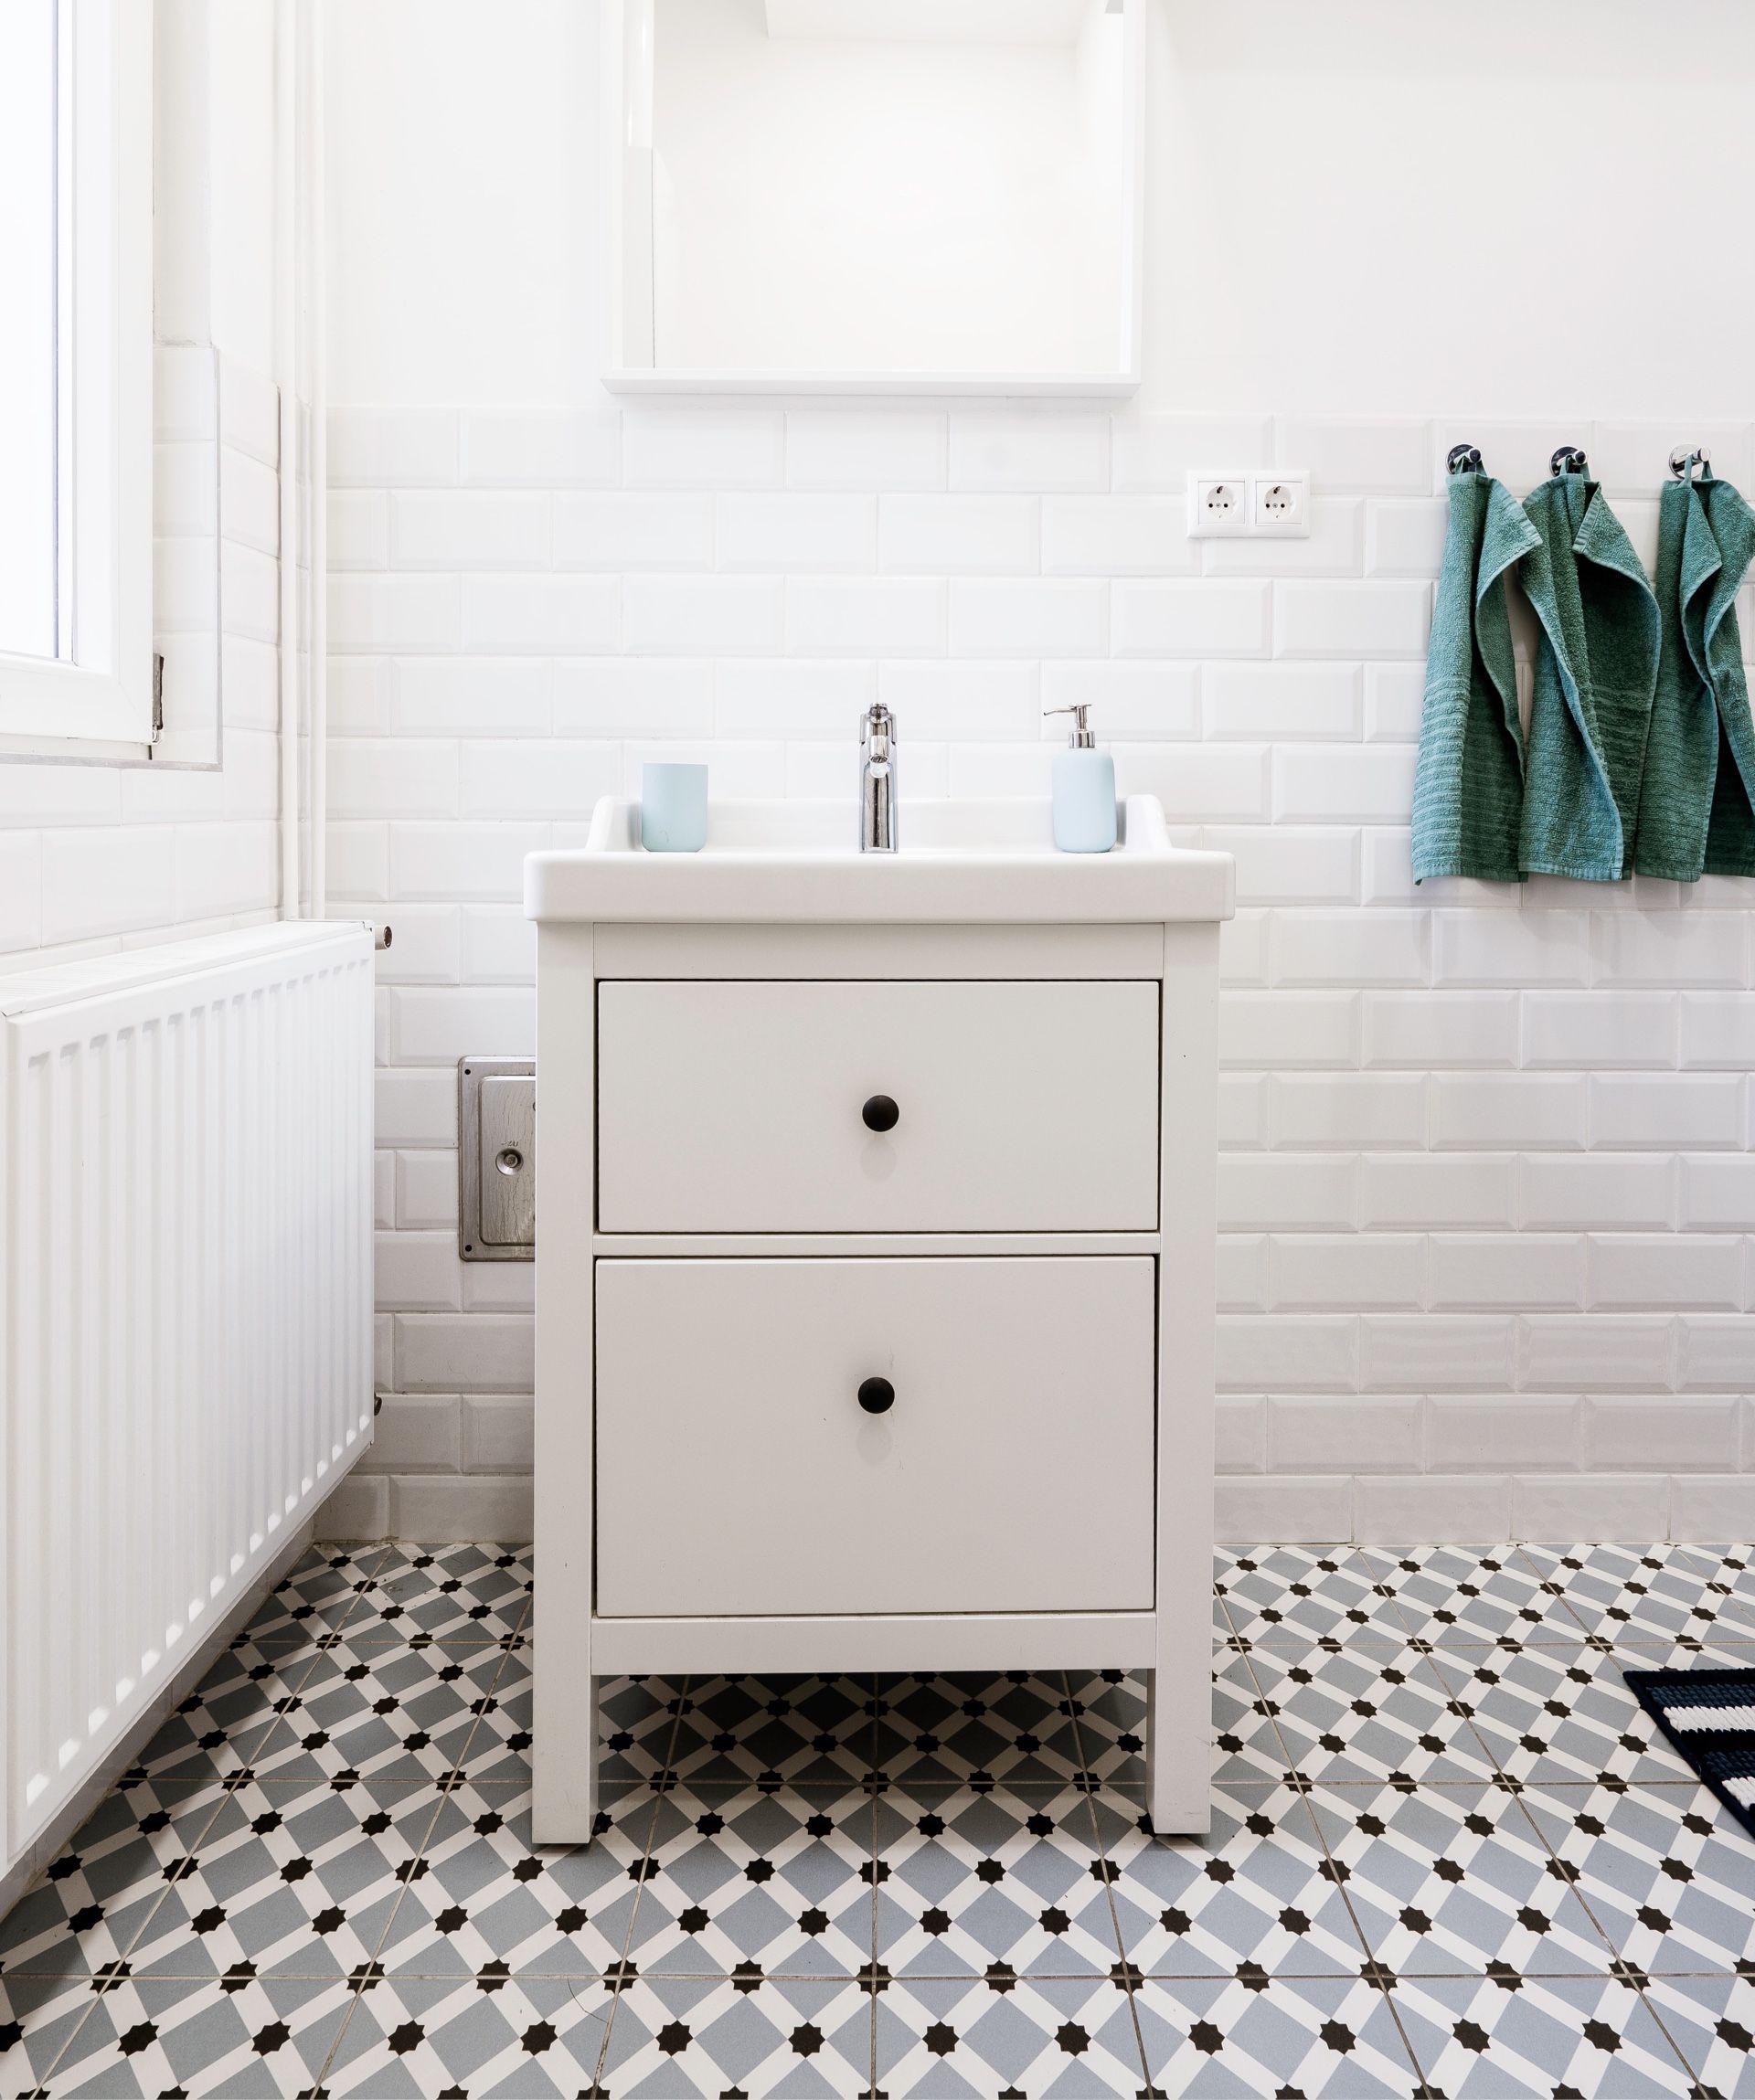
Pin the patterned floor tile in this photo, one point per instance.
(1711, 2021)
(742, 1881)
(1666, 1873)
(316, 1596)
(1503, 2038)
(1641, 1594)
(636, 1725)
(38, 2017)
(636, 1719)
(498, 1752)
(460, 1594)
(1054, 2038)
(1472, 1597)
(959, 1729)
(88, 1907)
(979, 1884)
(204, 2040)
(1289, 1596)
(220, 1728)
(487, 1900)
(1730, 1575)
(1108, 1710)
(1456, 1879)
(1109, 1714)
(1256, 1895)
(326, 1852)
(1558, 1715)
(1322, 2038)
(473, 2036)
(288, 1884)
(804, 1731)
(381, 1713)
(1368, 1710)
(674, 2037)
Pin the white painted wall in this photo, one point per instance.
(463, 223)
(1487, 1190)
(1480, 205)
(240, 114)
(883, 205)
(94, 857)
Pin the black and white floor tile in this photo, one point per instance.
(1008, 1880)
(1449, 1856)
(1459, 1598)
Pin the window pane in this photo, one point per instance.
(27, 352)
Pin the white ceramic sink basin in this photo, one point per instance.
(959, 862)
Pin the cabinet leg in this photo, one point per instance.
(563, 1774)
(1178, 1753)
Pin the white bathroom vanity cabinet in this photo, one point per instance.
(874, 1265)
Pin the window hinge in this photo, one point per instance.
(158, 700)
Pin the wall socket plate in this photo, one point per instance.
(1218, 504)
(1280, 504)
(1249, 502)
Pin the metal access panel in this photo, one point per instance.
(496, 1158)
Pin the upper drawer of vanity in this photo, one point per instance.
(862, 1108)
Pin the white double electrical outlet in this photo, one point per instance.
(1249, 505)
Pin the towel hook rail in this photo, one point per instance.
(1462, 459)
(1569, 460)
(1683, 463)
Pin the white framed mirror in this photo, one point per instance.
(872, 197)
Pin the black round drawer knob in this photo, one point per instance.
(880, 1113)
(876, 1396)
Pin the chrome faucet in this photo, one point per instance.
(877, 780)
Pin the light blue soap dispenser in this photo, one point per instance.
(1084, 788)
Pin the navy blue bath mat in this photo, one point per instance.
(1709, 1716)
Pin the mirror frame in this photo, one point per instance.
(622, 375)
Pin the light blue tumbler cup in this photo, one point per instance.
(673, 809)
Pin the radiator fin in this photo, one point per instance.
(186, 1344)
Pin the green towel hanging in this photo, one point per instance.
(1696, 806)
(1595, 672)
(1469, 777)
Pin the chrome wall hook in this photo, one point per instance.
(1462, 459)
(1569, 460)
(1683, 463)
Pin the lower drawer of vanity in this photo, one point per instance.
(786, 1437)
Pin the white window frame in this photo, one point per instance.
(99, 690)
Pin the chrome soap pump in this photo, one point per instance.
(1084, 788)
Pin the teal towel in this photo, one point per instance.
(1697, 807)
(1469, 777)
(1590, 702)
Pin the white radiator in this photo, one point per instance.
(185, 1333)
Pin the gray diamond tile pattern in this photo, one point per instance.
(1450, 1857)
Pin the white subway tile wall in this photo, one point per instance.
(96, 857)
(1487, 1188)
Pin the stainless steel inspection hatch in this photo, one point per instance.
(496, 1158)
